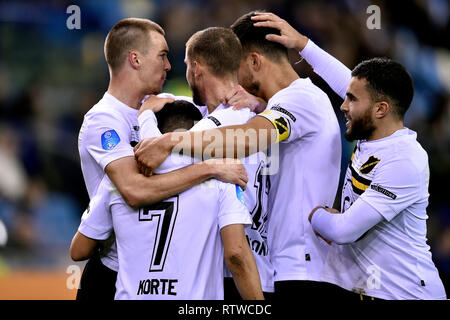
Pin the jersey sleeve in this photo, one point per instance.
(231, 206)
(224, 117)
(291, 119)
(148, 124)
(334, 72)
(395, 186)
(209, 122)
(96, 222)
(107, 138)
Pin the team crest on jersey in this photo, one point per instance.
(368, 166)
(110, 139)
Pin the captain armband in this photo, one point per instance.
(281, 123)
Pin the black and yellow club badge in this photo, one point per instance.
(368, 166)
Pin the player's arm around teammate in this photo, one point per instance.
(139, 190)
(163, 186)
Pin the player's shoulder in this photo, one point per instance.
(302, 97)
(402, 158)
(403, 150)
(100, 108)
(300, 90)
(228, 116)
(103, 113)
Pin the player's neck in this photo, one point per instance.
(216, 91)
(126, 91)
(279, 76)
(386, 129)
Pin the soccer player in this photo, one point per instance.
(213, 58)
(173, 249)
(136, 53)
(299, 117)
(381, 233)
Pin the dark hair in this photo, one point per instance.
(254, 38)
(387, 79)
(179, 114)
(218, 48)
(128, 34)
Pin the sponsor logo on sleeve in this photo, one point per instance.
(383, 191)
(278, 108)
(214, 119)
(110, 139)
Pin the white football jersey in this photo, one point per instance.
(392, 260)
(109, 131)
(256, 194)
(308, 175)
(172, 249)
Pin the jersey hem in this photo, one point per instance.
(297, 276)
(108, 264)
(378, 295)
(113, 157)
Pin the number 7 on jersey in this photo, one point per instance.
(165, 213)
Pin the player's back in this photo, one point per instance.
(256, 194)
(173, 249)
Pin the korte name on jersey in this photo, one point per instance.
(157, 287)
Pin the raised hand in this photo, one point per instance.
(289, 37)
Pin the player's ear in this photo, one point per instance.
(381, 109)
(134, 59)
(198, 69)
(255, 61)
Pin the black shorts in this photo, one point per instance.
(231, 293)
(313, 290)
(98, 282)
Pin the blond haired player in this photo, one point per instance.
(136, 53)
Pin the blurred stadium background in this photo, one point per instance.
(50, 76)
